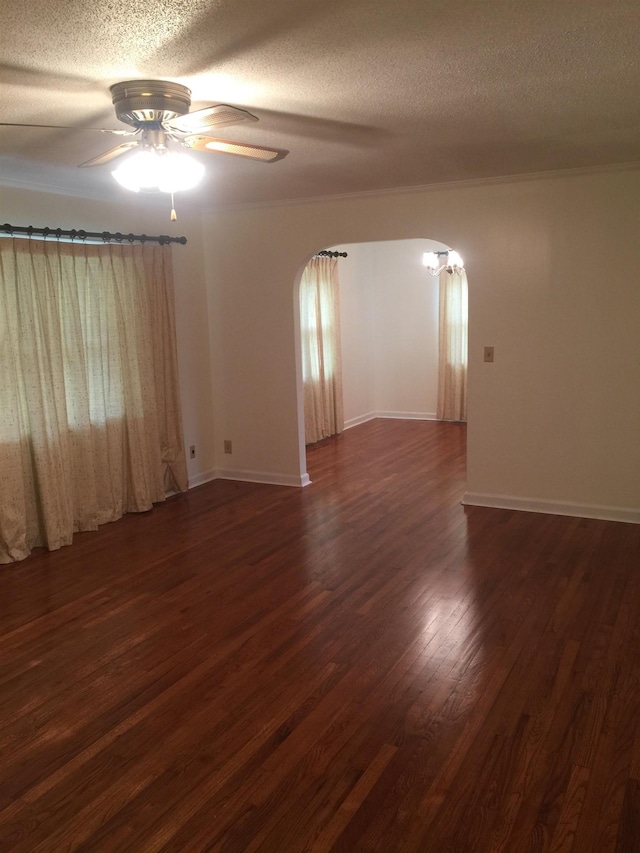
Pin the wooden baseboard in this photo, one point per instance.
(628, 515)
(266, 477)
(411, 416)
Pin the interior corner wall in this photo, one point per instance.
(145, 215)
(389, 322)
(357, 302)
(405, 330)
(553, 422)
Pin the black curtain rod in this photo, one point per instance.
(325, 253)
(105, 236)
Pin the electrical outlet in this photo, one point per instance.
(228, 447)
(488, 354)
(192, 451)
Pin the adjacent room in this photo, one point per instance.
(389, 330)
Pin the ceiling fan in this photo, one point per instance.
(158, 112)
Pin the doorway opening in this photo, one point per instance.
(389, 320)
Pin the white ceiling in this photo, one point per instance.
(365, 94)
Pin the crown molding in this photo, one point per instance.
(203, 208)
(523, 177)
(51, 189)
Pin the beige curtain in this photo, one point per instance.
(90, 424)
(321, 358)
(452, 347)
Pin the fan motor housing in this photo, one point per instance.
(143, 102)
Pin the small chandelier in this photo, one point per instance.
(447, 259)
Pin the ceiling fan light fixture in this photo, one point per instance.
(178, 172)
(164, 171)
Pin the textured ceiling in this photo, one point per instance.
(364, 95)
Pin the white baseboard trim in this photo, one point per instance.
(361, 419)
(202, 477)
(250, 477)
(408, 416)
(411, 416)
(604, 513)
(268, 478)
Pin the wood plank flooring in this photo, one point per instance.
(361, 665)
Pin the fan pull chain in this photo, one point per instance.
(174, 215)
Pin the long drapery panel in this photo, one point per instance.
(90, 424)
(321, 353)
(452, 345)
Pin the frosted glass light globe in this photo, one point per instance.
(168, 172)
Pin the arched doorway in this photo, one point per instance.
(389, 333)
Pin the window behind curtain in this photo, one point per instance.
(321, 355)
(90, 425)
(453, 346)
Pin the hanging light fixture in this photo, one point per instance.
(156, 168)
(152, 169)
(447, 259)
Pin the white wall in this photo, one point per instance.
(357, 303)
(552, 265)
(148, 215)
(553, 423)
(389, 318)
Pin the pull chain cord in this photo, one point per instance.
(173, 210)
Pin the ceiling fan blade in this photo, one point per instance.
(66, 127)
(239, 149)
(111, 154)
(199, 121)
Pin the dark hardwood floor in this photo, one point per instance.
(361, 665)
